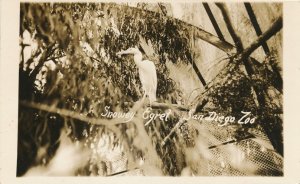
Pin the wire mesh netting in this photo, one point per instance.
(216, 153)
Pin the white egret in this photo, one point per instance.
(147, 73)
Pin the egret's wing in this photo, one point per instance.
(143, 78)
(154, 80)
(148, 75)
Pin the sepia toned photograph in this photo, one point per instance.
(150, 89)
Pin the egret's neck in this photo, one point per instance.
(138, 58)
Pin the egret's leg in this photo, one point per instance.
(144, 96)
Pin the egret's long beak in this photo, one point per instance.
(120, 53)
(128, 51)
(124, 52)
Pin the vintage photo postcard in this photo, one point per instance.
(183, 91)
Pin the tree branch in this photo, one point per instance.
(213, 21)
(256, 25)
(276, 27)
(237, 40)
(156, 105)
(70, 114)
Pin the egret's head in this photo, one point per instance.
(132, 50)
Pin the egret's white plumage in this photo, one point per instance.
(147, 73)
